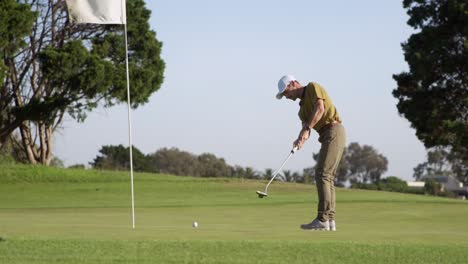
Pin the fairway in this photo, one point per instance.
(52, 215)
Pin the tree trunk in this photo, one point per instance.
(28, 143)
(42, 142)
(41, 154)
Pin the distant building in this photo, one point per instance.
(415, 184)
(448, 183)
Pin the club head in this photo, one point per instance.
(261, 194)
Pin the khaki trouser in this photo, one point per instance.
(333, 141)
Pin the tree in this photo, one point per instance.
(118, 158)
(174, 161)
(459, 167)
(437, 164)
(12, 150)
(441, 161)
(268, 174)
(433, 94)
(57, 162)
(297, 177)
(308, 174)
(211, 166)
(365, 164)
(238, 171)
(16, 21)
(287, 176)
(71, 69)
(251, 173)
(177, 162)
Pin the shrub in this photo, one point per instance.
(393, 184)
(6, 159)
(432, 187)
(415, 190)
(365, 186)
(77, 166)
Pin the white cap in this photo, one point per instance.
(283, 83)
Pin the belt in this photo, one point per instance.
(328, 126)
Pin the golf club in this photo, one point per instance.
(265, 193)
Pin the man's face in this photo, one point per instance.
(290, 92)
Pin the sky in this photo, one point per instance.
(223, 62)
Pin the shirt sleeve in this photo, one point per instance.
(318, 90)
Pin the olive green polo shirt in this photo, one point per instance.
(312, 92)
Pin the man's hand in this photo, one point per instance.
(301, 139)
(317, 114)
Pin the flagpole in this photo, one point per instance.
(129, 121)
(81, 12)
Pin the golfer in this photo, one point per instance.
(317, 112)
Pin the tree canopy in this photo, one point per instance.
(118, 158)
(433, 94)
(65, 68)
(441, 162)
(168, 160)
(16, 21)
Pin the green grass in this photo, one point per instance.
(50, 215)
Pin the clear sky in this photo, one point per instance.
(223, 61)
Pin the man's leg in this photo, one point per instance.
(333, 143)
(341, 141)
(332, 211)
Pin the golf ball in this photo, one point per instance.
(195, 224)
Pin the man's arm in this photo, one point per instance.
(304, 134)
(319, 109)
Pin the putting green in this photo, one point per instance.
(52, 215)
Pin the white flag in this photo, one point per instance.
(97, 11)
